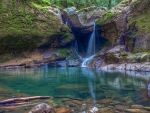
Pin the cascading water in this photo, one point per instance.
(91, 44)
(91, 49)
(67, 23)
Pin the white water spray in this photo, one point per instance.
(86, 61)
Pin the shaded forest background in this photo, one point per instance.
(79, 4)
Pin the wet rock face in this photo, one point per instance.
(42, 108)
(109, 31)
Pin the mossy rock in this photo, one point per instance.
(66, 34)
(106, 17)
(26, 25)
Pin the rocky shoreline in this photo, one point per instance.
(115, 59)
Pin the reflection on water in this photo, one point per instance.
(93, 86)
(91, 81)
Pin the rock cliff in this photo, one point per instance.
(30, 26)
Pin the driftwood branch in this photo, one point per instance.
(15, 100)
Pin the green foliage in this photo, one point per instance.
(106, 17)
(62, 53)
(142, 22)
(79, 4)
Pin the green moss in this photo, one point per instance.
(39, 6)
(62, 53)
(142, 23)
(140, 49)
(124, 54)
(18, 44)
(8, 57)
(123, 2)
(106, 17)
(66, 34)
(24, 24)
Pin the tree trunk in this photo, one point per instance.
(109, 4)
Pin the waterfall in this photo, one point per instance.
(91, 48)
(67, 23)
(91, 45)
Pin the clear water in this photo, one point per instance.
(89, 86)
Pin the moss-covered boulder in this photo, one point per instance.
(82, 20)
(28, 25)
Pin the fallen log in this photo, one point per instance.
(15, 100)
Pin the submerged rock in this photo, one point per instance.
(136, 111)
(42, 108)
(63, 110)
(137, 107)
(109, 109)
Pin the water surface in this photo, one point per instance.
(92, 87)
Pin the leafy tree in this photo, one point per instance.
(84, 3)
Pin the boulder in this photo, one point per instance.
(113, 55)
(32, 26)
(73, 63)
(82, 20)
(42, 108)
(69, 11)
